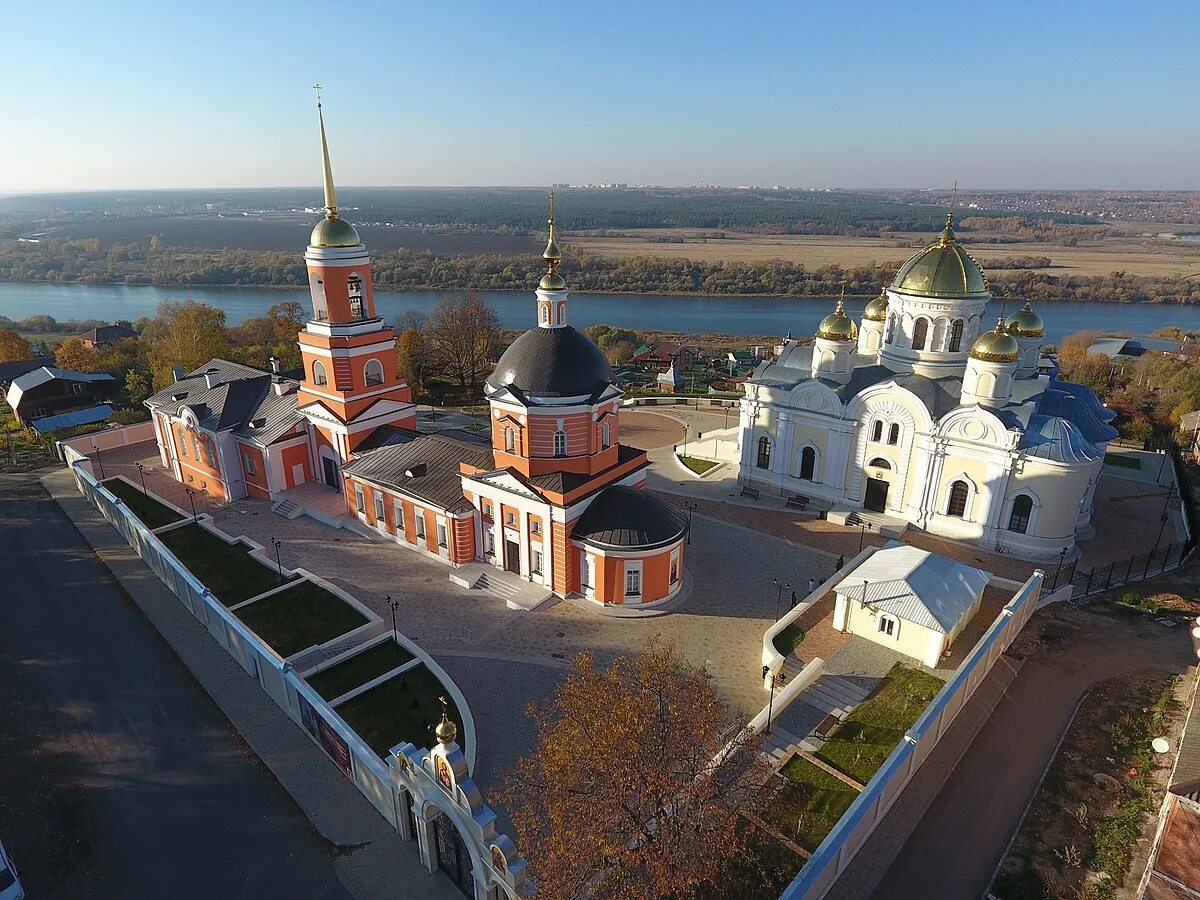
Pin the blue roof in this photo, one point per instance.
(1078, 405)
(1055, 438)
(88, 416)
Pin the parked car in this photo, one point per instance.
(10, 884)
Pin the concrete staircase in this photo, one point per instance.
(835, 695)
(778, 744)
(497, 588)
(791, 668)
(287, 508)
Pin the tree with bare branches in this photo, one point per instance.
(461, 333)
(637, 784)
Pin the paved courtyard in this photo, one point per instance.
(502, 658)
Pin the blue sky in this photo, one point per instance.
(845, 94)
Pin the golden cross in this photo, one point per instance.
(953, 196)
(317, 88)
(551, 206)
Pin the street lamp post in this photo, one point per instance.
(191, 495)
(276, 543)
(142, 472)
(691, 506)
(393, 605)
(1165, 516)
(779, 588)
(862, 534)
(99, 462)
(1062, 558)
(775, 679)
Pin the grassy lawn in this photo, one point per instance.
(151, 513)
(359, 669)
(809, 805)
(1122, 462)
(300, 617)
(227, 570)
(871, 732)
(404, 708)
(474, 426)
(788, 639)
(433, 416)
(771, 868)
(699, 466)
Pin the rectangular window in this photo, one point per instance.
(359, 501)
(380, 517)
(78, 388)
(441, 531)
(675, 567)
(196, 447)
(398, 512)
(633, 580)
(536, 564)
(510, 517)
(535, 527)
(250, 465)
(182, 444)
(487, 510)
(489, 542)
(887, 625)
(420, 524)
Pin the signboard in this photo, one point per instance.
(334, 745)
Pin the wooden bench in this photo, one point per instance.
(750, 492)
(827, 726)
(797, 501)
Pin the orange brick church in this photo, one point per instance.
(551, 496)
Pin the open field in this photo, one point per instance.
(1136, 256)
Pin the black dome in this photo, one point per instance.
(627, 518)
(552, 362)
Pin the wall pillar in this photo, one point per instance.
(427, 842)
(404, 824)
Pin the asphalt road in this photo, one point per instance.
(119, 777)
(957, 845)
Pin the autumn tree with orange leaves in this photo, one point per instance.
(621, 797)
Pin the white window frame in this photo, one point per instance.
(489, 542)
(633, 574)
(419, 522)
(380, 512)
(249, 464)
(398, 512)
(323, 377)
(360, 500)
(367, 372)
(888, 625)
(560, 440)
(605, 436)
(535, 560)
(443, 536)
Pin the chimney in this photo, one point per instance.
(282, 386)
(274, 365)
(177, 371)
(212, 378)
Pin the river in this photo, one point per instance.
(653, 312)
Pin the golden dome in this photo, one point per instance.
(446, 730)
(1025, 323)
(334, 231)
(876, 310)
(837, 326)
(996, 345)
(943, 269)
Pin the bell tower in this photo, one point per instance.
(351, 385)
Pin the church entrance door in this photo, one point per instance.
(330, 468)
(512, 557)
(452, 856)
(876, 496)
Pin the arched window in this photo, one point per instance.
(887, 624)
(605, 436)
(920, 332)
(319, 376)
(880, 463)
(891, 328)
(317, 289)
(956, 333)
(354, 289)
(894, 434)
(808, 463)
(560, 443)
(986, 386)
(1022, 508)
(373, 372)
(957, 506)
(545, 313)
(764, 453)
(510, 440)
(877, 430)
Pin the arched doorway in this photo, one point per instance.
(453, 858)
(875, 496)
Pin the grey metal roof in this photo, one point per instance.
(244, 401)
(916, 585)
(100, 413)
(16, 368)
(625, 517)
(433, 461)
(387, 436)
(46, 374)
(565, 482)
(552, 362)
(1070, 402)
(1055, 438)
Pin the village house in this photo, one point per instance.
(42, 397)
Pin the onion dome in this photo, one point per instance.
(876, 310)
(1025, 323)
(446, 731)
(552, 281)
(552, 362)
(837, 326)
(943, 269)
(334, 231)
(996, 345)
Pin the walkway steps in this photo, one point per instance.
(778, 744)
(287, 508)
(835, 695)
(496, 587)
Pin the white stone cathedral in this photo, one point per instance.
(924, 414)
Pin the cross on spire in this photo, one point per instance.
(317, 88)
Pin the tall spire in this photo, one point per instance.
(330, 195)
(552, 281)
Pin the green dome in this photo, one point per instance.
(1025, 323)
(837, 326)
(943, 269)
(996, 345)
(334, 232)
(876, 310)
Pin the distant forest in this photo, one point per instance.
(90, 261)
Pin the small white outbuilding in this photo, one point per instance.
(910, 600)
